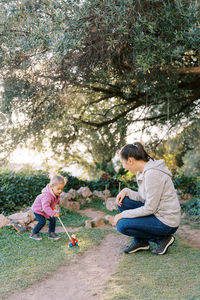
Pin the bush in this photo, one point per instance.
(192, 208)
(73, 182)
(19, 189)
(187, 185)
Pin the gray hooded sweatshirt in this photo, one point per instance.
(157, 192)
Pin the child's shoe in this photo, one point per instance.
(35, 236)
(53, 236)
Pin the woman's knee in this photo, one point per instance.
(125, 204)
(122, 226)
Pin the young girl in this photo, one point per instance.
(152, 213)
(43, 207)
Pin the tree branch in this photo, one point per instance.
(190, 70)
(107, 122)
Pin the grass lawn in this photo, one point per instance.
(188, 221)
(24, 261)
(143, 276)
(71, 218)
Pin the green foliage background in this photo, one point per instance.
(86, 70)
(19, 189)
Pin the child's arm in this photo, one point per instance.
(46, 201)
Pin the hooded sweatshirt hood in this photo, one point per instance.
(48, 190)
(157, 165)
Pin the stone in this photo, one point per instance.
(98, 222)
(73, 193)
(99, 194)
(3, 221)
(82, 201)
(111, 203)
(106, 193)
(65, 197)
(84, 192)
(88, 200)
(88, 224)
(22, 217)
(31, 225)
(109, 219)
(71, 205)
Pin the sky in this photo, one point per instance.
(24, 156)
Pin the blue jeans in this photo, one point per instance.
(42, 221)
(147, 228)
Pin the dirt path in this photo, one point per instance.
(191, 236)
(89, 212)
(92, 213)
(83, 280)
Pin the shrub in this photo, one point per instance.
(187, 185)
(192, 208)
(19, 189)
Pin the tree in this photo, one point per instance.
(72, 65)
(181, 152)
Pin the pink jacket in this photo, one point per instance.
(44, 203)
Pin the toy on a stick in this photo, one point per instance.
(18, 226)
(73, 240)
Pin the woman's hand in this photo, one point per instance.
(116, 219)
(56, 215)
(120, 197)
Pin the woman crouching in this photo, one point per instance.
(152, 213)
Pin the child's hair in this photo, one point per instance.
(135, 150)
(58, 179)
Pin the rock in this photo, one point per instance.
(99, 194)
(31, 225)
(88, 200)
(82, 201)
(65, 197)
(109, 219)
(98, 222)
(3, 221)
(88, 223)
(106, 193)
(23, 217)
(73, 193)
(111, 204)
(71, 205)
(84, 192)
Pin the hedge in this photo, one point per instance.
(19, 189)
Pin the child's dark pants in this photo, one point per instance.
(42, 221)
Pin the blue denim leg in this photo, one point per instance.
(128, 203)
(41, 222)
(147, 228)
(52, 224)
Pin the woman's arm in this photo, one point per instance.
(132, 194)
(126, 192)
